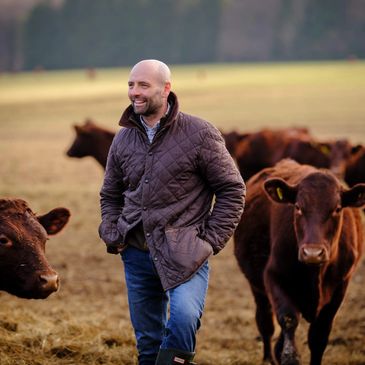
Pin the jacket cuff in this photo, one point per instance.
(109, 233)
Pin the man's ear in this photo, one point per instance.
(167, 89)
(279, 191)
(55, 220)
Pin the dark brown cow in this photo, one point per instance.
(24, 270)
(340, 152)
(267, 147)
(355, 166)
(298, 244)
(91, 140)
(232, 139)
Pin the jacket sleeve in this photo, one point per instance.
(111, 197)
(223, 177)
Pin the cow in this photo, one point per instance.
(267, 147)
(232, 139)
(91, 140)
(298, 244)
(24, 269)
(264, 148)
(355, 166)
(341, 151)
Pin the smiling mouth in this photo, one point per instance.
(138, 103)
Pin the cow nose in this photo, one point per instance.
(313, 254)
(49, 283)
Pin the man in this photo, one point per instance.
(164, 168)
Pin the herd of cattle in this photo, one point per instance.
(298, 242)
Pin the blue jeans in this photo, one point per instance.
(148, 307)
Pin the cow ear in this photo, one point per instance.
(54, 220)
(80, 129)
(354, 197)
(89, 122)
(77, 128)
(279, 191)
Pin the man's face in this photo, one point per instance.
(146, 92)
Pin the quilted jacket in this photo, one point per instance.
(170, 184)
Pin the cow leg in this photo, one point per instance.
(286, 352)
(264, 322)
(320, 328)
(285, 349)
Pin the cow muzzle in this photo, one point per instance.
(313, 254)
(48, 283)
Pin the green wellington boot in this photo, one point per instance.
(174, 357)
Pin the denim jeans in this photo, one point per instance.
(149, 305)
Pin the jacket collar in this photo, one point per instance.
(130, 119)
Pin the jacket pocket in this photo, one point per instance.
(186, 251)
(122, 227)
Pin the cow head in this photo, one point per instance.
(84, 142)
(91, 140)
(24, 269)
(355, 166)
(309, 152)
(232, 139)
(340, 152)
(318, 201)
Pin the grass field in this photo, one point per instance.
(87, 321)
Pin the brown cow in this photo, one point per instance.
(355, 166)
(24, 270)
(232, 139)
(267, 147)
(298, 244)
(91, 140)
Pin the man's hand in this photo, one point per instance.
(116, 248)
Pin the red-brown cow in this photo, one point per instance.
(266, 147)
(298, 244)
(24, 269)
(91, 140)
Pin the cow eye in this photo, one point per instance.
(5, 241)
(297, 208)
(337, 210)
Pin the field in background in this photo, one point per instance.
(87, 321)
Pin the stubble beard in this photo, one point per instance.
(147, 110)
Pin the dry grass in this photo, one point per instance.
(87, 321)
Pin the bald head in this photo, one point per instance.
(149, 86)
(153, 68)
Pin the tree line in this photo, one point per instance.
(94, 33)
(98, 33)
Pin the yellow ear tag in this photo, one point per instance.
(325, 150)
(279, 192)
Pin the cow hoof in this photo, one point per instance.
(267, 362)
(290, 358)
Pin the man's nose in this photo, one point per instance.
(133, 91)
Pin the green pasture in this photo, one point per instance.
(87, 322)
